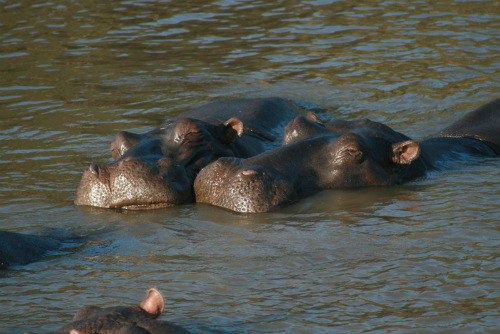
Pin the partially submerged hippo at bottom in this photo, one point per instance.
(19, 249)
(158, 168)
(123, 319)
(343, 154)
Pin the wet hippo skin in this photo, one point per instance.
(158, 168)
(19, 249)
(342, 154)
(123, 319)
(259, 119)
(300, 169)
(142, 178)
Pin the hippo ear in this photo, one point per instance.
(405, 152)
(153, 303)
(313, 117)
(233, 129)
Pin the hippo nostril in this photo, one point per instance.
(249, 172)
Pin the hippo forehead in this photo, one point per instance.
(176, 131)
(183, 137)
(367, 128)
(95, 312)
(367, 143)
(302, 128)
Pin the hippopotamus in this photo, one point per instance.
(19, 249)
(123, 319)
(342, 154)
(158, 168)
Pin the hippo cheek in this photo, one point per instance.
(255, 191)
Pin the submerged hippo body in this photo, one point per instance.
(158, 168)
(482, 124)
(122, 319)
(341, 154)
(19, 249)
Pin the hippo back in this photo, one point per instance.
(482, 124)
(16, 248)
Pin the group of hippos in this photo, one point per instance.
(225, 154)
(228, 154)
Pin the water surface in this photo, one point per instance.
(423, 257)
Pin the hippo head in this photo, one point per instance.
(363, 158)
(123, 319)
(194, 143)
(367, 154)
(88, 316)
(157, 169)
(363, 152)
(141, 178)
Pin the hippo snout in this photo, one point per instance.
(134, 183)
(246, 189)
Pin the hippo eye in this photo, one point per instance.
(194, 136)
(351, 154)
(190, 136)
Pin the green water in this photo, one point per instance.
(422, 257)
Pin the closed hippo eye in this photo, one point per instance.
(351, 154)
(190, 137)
(193, 136)
(350, 148)
(186, 129)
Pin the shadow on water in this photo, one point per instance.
(342, 205)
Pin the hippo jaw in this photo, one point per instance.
(134, 184)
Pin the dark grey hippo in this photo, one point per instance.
(158, 168)
(19, 249)
(342, 154)
(123, 319)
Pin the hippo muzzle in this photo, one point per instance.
(134, 183)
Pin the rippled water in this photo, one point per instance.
(422, 257)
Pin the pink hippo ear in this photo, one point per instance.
(153, 303)
(405, 152)
(313, 117)
(233, 129)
